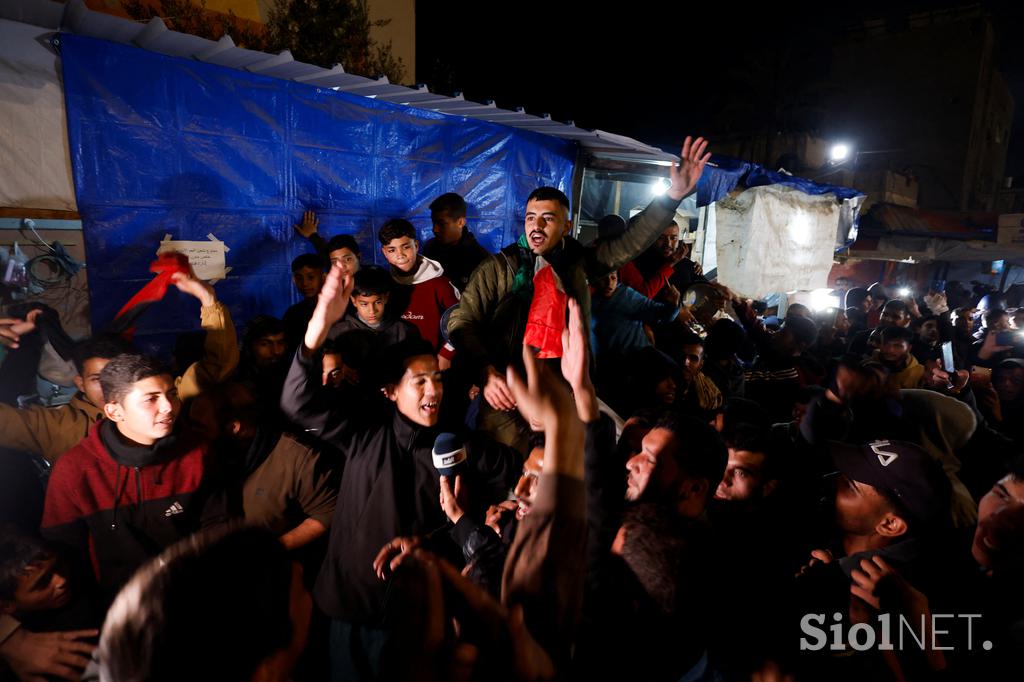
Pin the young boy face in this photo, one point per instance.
(370, 308)
(418, 394)
(401, 253)
(607, 285)
(447, 229)
(348, 261)
(89, 381)
(308, 281)
(148, 412)
(895, 351)
(42, 587)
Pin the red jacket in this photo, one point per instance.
(629, 274)
(121, 514)
(424, 296)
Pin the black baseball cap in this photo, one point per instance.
(903, 471)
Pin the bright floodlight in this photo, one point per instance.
(823, 299)
(840, 152)
(659, 187)
(903, 292)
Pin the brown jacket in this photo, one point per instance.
(52, 431)
(292, 484)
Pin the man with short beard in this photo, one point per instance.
(494, 315)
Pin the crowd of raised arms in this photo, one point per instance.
(530, 465)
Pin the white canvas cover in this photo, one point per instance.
(35, 166)
(774, 238)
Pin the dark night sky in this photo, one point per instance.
(641, 69)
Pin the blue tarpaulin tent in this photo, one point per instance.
(162, 145)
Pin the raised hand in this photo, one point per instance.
(576, 364)
(331, 303)
(685, 174)
(188, 283)
(307, 228)
(12, 328)
(541, 398)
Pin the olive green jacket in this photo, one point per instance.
(487, 327)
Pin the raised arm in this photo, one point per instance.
(308, 229)
(543, 573)
(220, 349)
(301, 402)
(645, 227)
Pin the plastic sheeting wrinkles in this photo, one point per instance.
(795, 229)
(161, 145)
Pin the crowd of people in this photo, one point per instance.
(528, 465)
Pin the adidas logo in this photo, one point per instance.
(175, 508)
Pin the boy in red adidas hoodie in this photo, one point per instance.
(424, 293)
(135, 484)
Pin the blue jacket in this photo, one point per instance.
(618, 322)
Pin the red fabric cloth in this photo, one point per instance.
(546, 320)
(165, 266)
(629, 274)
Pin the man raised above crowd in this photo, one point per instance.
(505, 300)
(453, 245)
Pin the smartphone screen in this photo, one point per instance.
(947, 357)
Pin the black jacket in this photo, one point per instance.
(389, 488)
(460, 259)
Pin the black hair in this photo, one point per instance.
(450, 204)
(699, 450)
(802, 330)
(372, 281)
(755, 439)
(856, 317)
(104, 346)
(797, 310)
(653, 550)
(396, 228)
(894, 333)
(895, 305)
(725, 339)
(536, 439)
(689, 338)
(549, 194)
(737, 411)
(124, 371)
(18, 553)
(223, 597)
(1017, 468)
(308, 260)
(855, 297)
(343, 241)
(391, 361)
(992, 316)
(259, 327)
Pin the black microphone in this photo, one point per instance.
(449, 454)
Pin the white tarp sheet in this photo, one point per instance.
(35, 166)
(774, 238)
